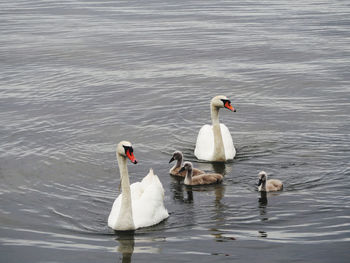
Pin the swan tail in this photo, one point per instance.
(151, 172)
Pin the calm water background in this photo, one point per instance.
(79, 76)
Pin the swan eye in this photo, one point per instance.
(227, 105)
(225, 101)
(128, 149)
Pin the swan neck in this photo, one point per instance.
(219, 150)
(125, 214)
(124, 174)
(188, 179)
(214, 115)
(176, 166)
(178, 163)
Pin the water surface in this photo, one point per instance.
(77, 77)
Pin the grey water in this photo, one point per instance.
(79, 76)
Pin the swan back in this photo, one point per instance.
(210, 178)
(148, 205)
(176, 172)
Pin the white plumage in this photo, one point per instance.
(140, 204)
(147, 203)
(205, 143)
(214, 142)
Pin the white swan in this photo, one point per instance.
(214, 142)
(201, 179)
(271, 185)
(178, 156)
(140, 204)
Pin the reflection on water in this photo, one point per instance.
(184, 193)
(220, 208)
(189, 196)
(219, 193)
(219, 168)
(215, 167)
(178, 189)
(263, 200)
(126, 245)
(262, 233)
(262, 204)
(219, 235)
(130, 243)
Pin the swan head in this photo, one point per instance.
(177, 155)
(125, 149)
(222, 101)
(187, 167)
(262, 177)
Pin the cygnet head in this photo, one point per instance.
(262, 177)
(222, 101)
(125, 149)
(187, 166)
(177, 155)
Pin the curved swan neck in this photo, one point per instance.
(214, 111)
(178, 163)
(124, 174)
(176, 166)
(188, 179)
(219, 150)
(125, 220)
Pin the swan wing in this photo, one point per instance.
(230, 150)
(205, 143)
(149, 208)
(147, 203)
(114, 214)
(136, 193)
(148, 179)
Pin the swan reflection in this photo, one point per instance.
(219, 235)
(262, 206)
(263, 199)
(126, 245)
(216, 167)
(219, 168)
(178, 189)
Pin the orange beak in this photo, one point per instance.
(131, 156)
(229, 106)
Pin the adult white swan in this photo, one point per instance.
(214, 142)
(140, 204)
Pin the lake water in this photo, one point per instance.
(77, 77)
